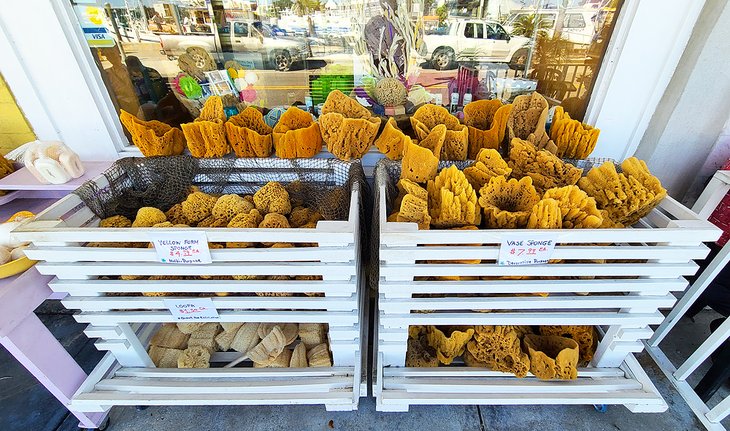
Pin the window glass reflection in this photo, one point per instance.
(169, 56)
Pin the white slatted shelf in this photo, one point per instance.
(82, 287)
(337, 271)
(111, 254)
(670, 270)
(408, 254)
(93, 303)
(113, 317)
(114, 308)
(618, 279)
(528, 303)
(473, 372)
(395, 289)
(526, 318)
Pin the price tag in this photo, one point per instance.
(526, 249)
(192, 309)
(187, 248)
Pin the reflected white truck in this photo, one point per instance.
(475, 40)
(250, 40)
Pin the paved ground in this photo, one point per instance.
(26, 406)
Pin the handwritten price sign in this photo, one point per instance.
(186, 310)
(526, 250)
(188, 248)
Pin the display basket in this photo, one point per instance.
(326, 259)
(615, 279)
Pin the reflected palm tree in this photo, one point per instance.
(525, 26)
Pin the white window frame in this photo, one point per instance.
(74, 106)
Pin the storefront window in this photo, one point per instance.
(168, 56)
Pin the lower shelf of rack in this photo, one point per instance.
(396, 389)
(338, 388)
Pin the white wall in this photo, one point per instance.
(693, 111)
(48, 74)
(644, 51)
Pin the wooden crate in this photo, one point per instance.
(113, 308)
(616, 279)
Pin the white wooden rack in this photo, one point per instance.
(628, 275)
(123, 321)
(710, 416)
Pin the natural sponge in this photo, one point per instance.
(626, 196)
(153, 138)
(115, 221)
(420, 354)
(229, 206)
(347, 127)
(390, 92)
(148, 217)
(249, 135)
(419, 164)
(392, 140)
(274, 221)
(434, 140)
(206, 135)
(194, 357)
(528, 117)
(546, 214)
(507, 204)
(452, 200)
(582, 334)
(545, 169)
(296, 135)
(499, 348)
(197, 206)
(429, 116)
(487, 123)
(552, 357)
(578, 211)
(448, 347)
(488, 164)
(272, 198)
(573, 139)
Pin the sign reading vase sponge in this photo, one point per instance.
(187, 248)
(526, 249)
(185, 310)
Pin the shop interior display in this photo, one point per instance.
(265, 345)
(548, 352)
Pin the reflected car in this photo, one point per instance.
(474, 40)
(250, 41)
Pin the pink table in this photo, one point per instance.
(33, 345)
(21, 332)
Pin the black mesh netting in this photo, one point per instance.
(161, 182)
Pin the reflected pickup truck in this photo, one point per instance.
(248, 38)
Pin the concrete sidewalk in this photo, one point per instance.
(27, 406)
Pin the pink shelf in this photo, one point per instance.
(22, 179)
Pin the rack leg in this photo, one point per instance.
(39, 352)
